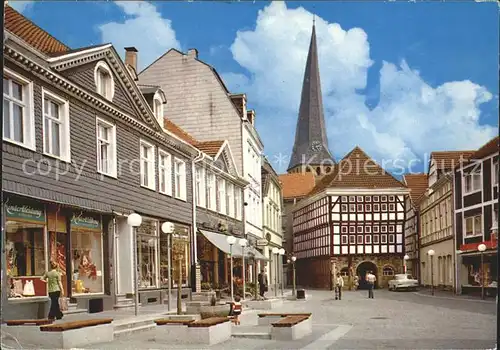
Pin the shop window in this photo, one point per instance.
(86, 255)
(181, 254)
(25, 250)
(147, 251)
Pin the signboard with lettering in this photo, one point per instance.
(28, 213)
(83, 222)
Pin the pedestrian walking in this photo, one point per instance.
(339, 286)
(356, 282)
(370, 280)
(262, 279)
(55, 288)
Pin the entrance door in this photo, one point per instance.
(362, 271)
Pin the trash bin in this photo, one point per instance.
(301, 294)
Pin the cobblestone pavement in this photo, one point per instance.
(401, 320)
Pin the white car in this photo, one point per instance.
(403, 281)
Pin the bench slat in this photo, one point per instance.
(61, 327)
(289, 321)
(38, 322)
(283, 314)
(208, 322)
(165, 322)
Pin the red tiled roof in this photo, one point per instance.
(487, 149)
(447, 160)
(32, 34)
(296, 185)
(357, 170)
(177, 131)
(210, 148)
(417, 183)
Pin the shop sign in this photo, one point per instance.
(85, 222)
(25, 213)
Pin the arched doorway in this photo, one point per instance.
(361, 272)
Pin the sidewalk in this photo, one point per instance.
(451, 295)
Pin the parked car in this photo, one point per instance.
(403, 281)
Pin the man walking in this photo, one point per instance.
(262, 279)
(339, 286)
(370, 280)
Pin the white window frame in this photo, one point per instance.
(151, 165)
(158, 108)
(103, 66)
(167, 168)
(29, 139)
(237, 200)
(476, 172)
(495, 173)
(211, 191)
(112, 156)
(221, 195)
(180, 179)
(201, 194)
(474, 234)
(64, 123)
(229, 199)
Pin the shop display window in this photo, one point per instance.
(147, 253)
(181, 252)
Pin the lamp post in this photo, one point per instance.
(281, 252)
(168, 228)
(276, 252)
(482, 248)
(405, 261)
(135, 220)
(243, 242)
(430, 252)
(293, 258)
(231, 240)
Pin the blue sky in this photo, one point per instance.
(399, 79)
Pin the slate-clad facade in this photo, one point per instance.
(67, 196)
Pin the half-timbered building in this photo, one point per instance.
(351, 222)
(475, 184)
(417, 184)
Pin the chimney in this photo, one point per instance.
(240, 102)
(193, 53)
(251, 116)
(131, 57)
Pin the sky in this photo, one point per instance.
(399, 79)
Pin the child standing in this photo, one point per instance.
(237, 308)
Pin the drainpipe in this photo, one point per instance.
(197, 159)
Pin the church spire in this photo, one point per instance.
(311, 143)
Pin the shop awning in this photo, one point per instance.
(220, 241)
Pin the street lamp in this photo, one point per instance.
(276, 252)
(135, 220)
(293, 258)
(406, 258)
(243, 242)
(281, 252)
(482, 248)
(430, 252)
(168, 228)
(231, 240)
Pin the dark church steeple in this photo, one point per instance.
(311, 144)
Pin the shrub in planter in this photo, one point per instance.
(206, 286)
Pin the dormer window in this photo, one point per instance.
(158, 108)
(104, 82)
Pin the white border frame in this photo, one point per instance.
(66, 137)
(113, 146)
(104, 66)
(169, 185)
(152, 187)
(183, 194)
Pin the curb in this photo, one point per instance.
(455, 298)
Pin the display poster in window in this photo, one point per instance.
(25, 249)
(86, 254)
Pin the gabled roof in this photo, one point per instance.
(487, 149)
(296, 185)
(417, 183)
(177, 131)
(32, 34)
(210, 148)
(357, 170)
(448, 160)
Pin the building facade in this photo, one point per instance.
(475, 186)
(201, 104)
(417, 184)
(351, 222)
(82, 149)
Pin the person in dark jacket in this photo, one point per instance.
(262, 279)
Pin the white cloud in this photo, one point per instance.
(21, 6)
(412, 118)
(147, 30)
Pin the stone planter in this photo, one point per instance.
(220, 310)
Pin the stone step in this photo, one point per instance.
(134, 330)
(250, 335)
(132, 324)
(251, 331)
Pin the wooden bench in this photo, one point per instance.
(291, 327)
(38, 322)
(266, 319)
(283, 314)
(166, 322)
(208, 322)
(208, 331)
(61, 327)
